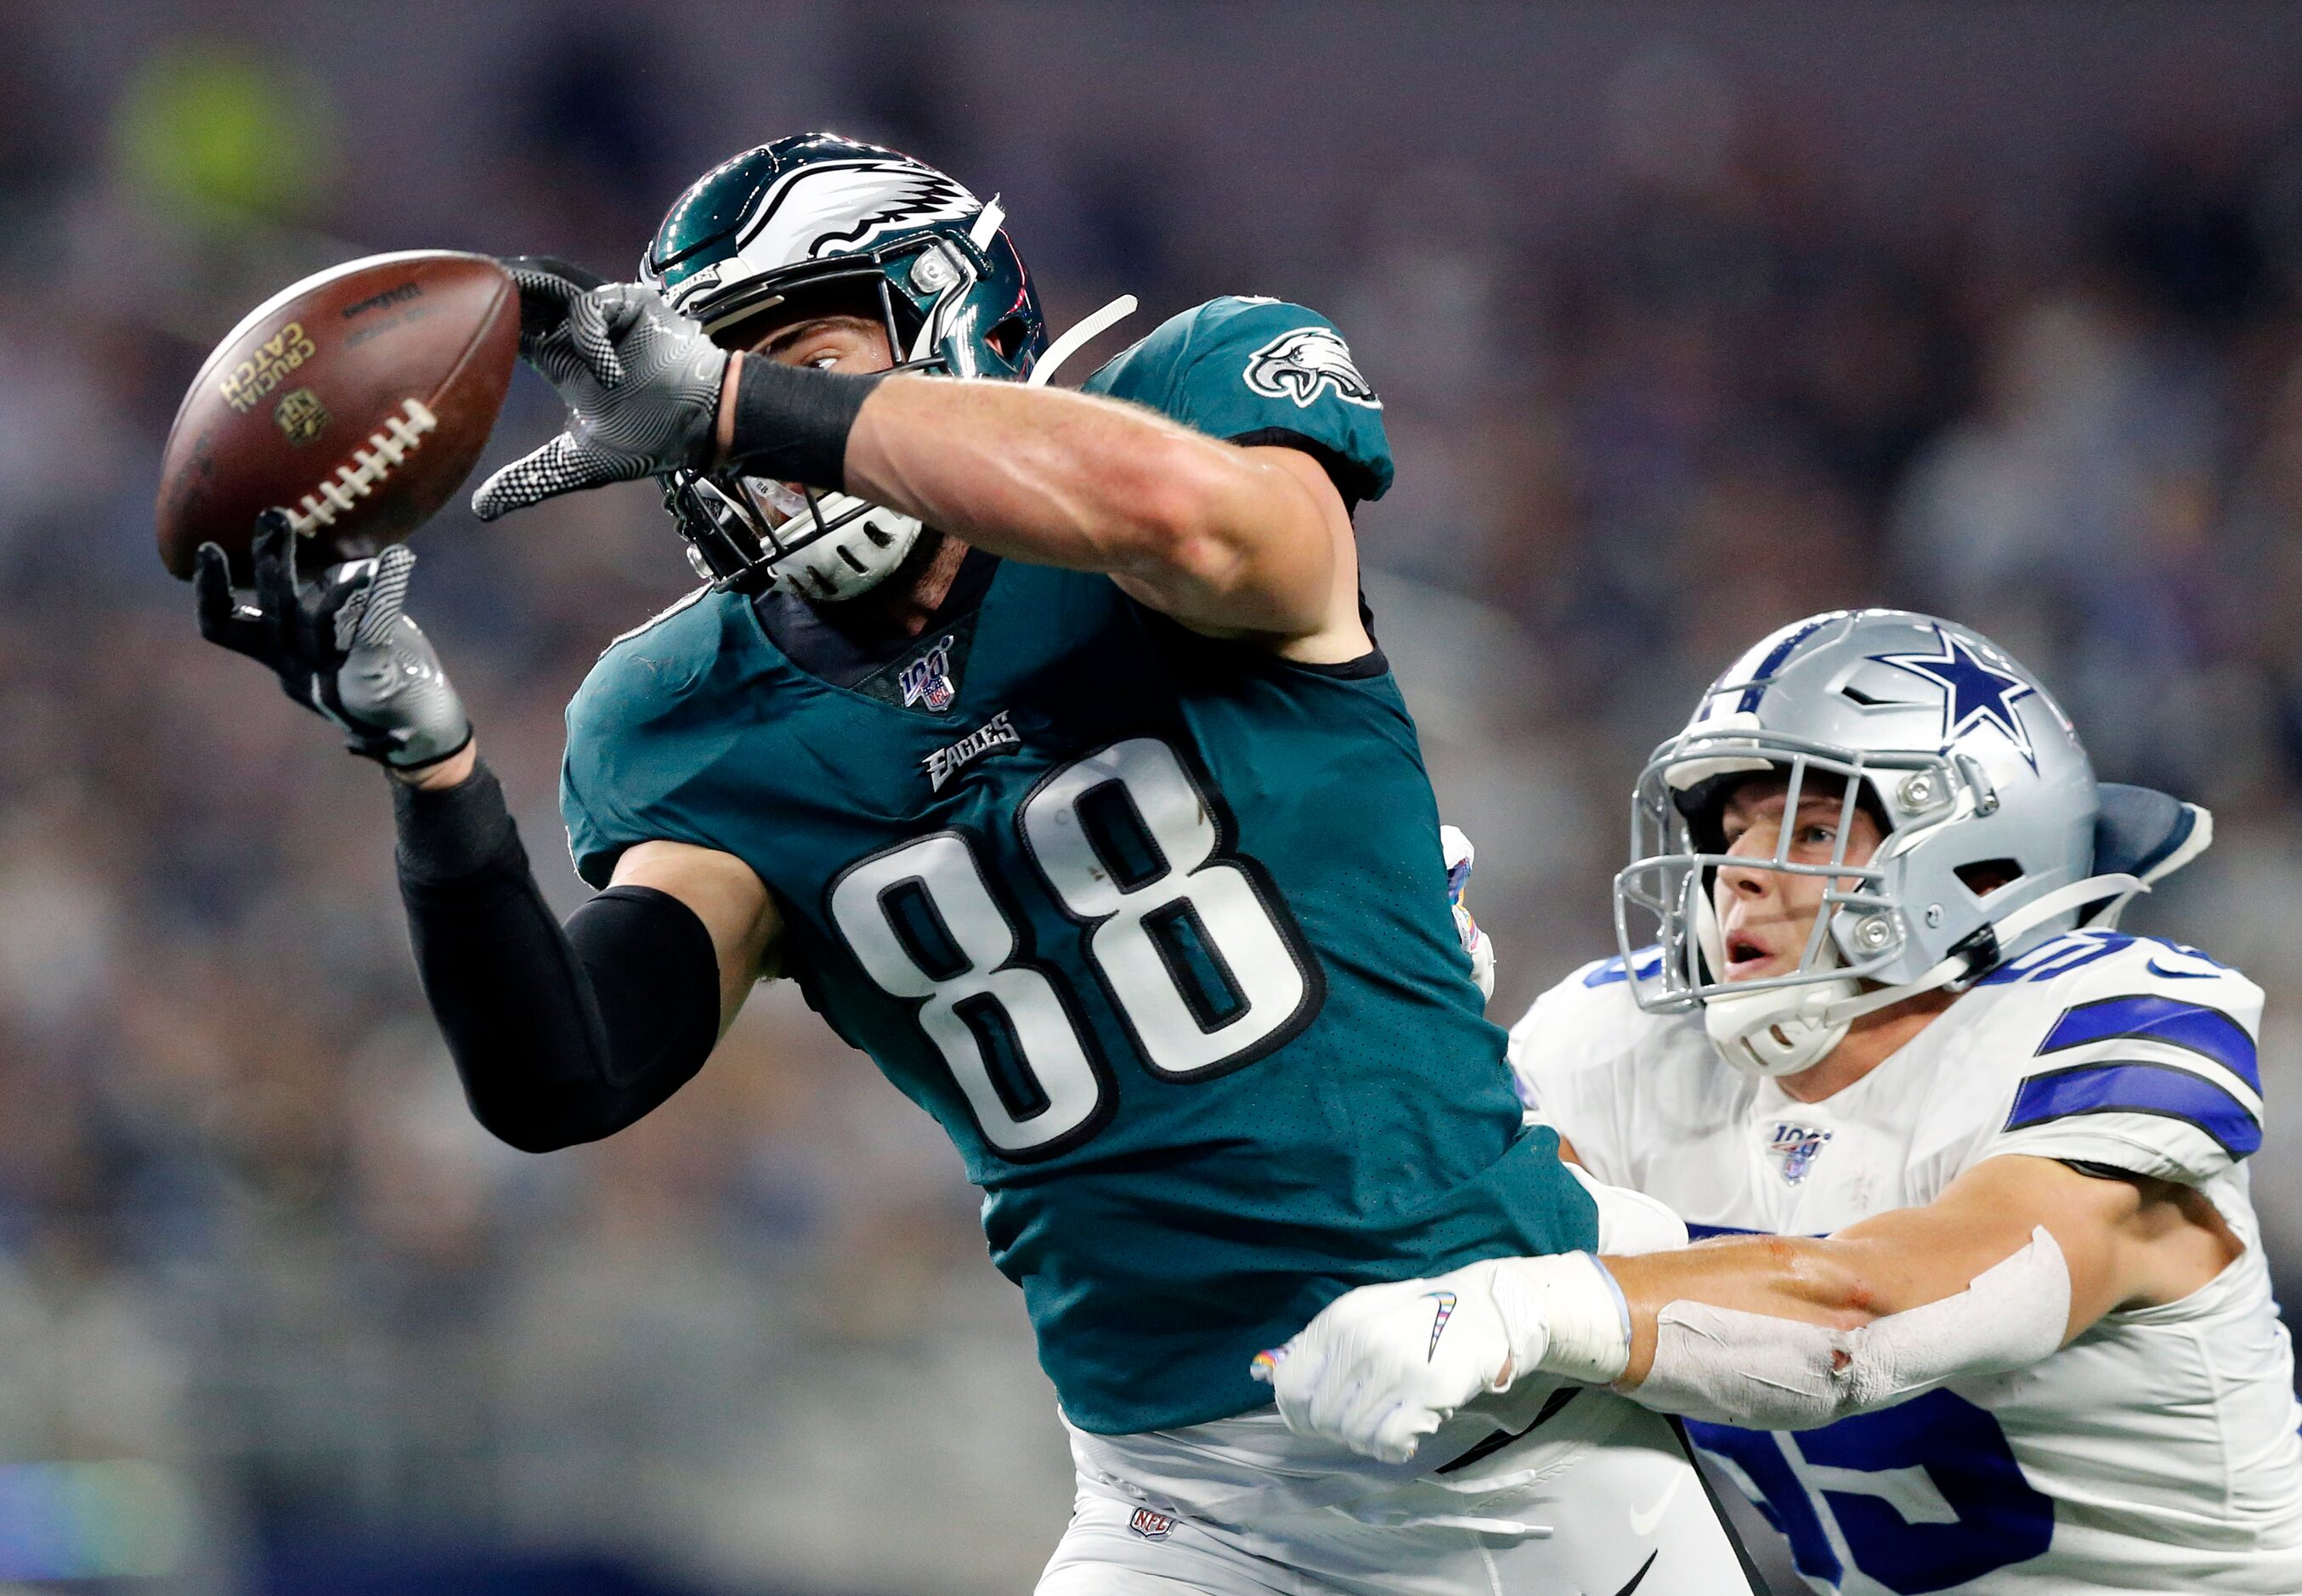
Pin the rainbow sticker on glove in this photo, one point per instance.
(1446, 1301)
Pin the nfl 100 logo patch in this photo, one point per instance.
(926, 680)
(1150, 1526)
(1794, 1149)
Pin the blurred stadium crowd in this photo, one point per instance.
(277, 1315)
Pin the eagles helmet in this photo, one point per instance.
(1996, 834)
(817, 216)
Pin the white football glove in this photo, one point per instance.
(1383, 1366)
(1460, 856)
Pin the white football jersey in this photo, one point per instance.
(2157, 1452)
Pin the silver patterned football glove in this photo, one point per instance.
(642, 383)
(341, 646)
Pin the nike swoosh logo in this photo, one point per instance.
(1640, 1578)
(1446, 1301)
(1643, 1524)
(1502, 1438)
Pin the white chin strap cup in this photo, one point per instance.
(1781, 1030)
(865, 552)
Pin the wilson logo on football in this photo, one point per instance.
(354, 481)
(261, 372)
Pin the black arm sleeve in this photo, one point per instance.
(561, 1035)
(791, 424)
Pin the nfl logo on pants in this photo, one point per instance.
(1150, 1526)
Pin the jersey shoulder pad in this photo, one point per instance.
(1261, 371)
(1581, 1053)
(2125, 1051)
(1585, 1021)
(630, 727)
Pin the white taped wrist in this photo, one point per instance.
(1762, 1373)
(1564, 1316)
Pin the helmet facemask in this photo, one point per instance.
(1775, 1024)
(1984, 799)
(748, 533)
(814, 215)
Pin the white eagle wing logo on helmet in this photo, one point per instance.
(1299, 365)
(837, 206)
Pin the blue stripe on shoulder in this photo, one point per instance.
(2208, 1032)
(2134, 1088)
(2058, 957)
(1649, 964)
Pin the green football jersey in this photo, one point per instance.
(1155, 925)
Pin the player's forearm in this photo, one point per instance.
(1783, 1371)
(451, 771)
(560, 1035)
(1195, 525)
(1812, 1281)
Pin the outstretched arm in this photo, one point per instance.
(1250, 541)
(2127, 1241)
(2019, 1256)
(561, 1034)
(568, 1034)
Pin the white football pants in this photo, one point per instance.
(1599, 1498)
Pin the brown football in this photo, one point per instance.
(356, 401)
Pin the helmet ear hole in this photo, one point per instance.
(1006, 338)
(1987, 876)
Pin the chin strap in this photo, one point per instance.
(1768, 1034)
(2119, 889)
(1071, 342)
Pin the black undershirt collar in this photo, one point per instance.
(817, 639)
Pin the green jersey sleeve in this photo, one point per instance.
(642, 739)
(1261, 371)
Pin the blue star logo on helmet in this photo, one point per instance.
(1975, 692)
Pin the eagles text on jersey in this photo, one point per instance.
(1156, 926)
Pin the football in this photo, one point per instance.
(356, 401)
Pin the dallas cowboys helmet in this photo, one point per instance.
(1993, 825)
(819, 215)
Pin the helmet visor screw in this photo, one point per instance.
(1918, 790)
(933, 273)
(1874, 933)
(1934, 917)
